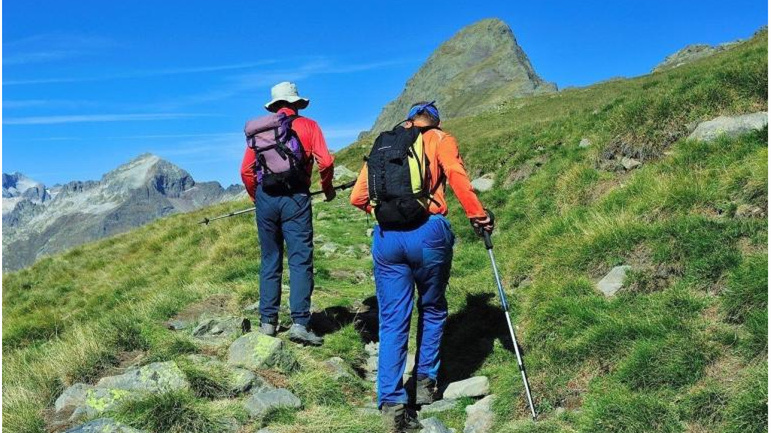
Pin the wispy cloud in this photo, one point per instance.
(140, 74)
(243, 83)
(51, 47)
(84, 118)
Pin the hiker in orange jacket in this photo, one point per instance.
(417, 256)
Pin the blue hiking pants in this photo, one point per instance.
(285, 218)
(403, 260)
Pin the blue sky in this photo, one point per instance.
(88, 85)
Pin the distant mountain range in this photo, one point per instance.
(38, 221)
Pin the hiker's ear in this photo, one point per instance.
(408, 124)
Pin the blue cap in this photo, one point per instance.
(429, 107)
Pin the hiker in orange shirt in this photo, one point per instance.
(403, 184)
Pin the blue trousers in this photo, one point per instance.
(285, 218)
(403, 260)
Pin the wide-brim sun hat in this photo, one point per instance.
(286, 91)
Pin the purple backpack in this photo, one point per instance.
(280, 157)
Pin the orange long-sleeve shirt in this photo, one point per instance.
(445, 162)
(309, 133)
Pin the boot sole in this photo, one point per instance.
(305, 342)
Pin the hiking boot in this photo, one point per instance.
(425, 391)
(268, 329)
(398, 419)
(301, 334)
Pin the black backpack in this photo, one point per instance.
(398, 179)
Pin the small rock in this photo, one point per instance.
(433, 425)
(484, 183)
(559, 411)
(473, 387)
(372, 348)
(177, 325)
(253, 308)
(336, 366)
(479, 416)
(372, 364)
(222, 327)
(157, 377)
(262, 403)
(438, 406)
(328, 249)
(614, 280)
(584, 143)
(255, 350)
(103, 425)
(370, 232)
(731, 126)
(630, 163)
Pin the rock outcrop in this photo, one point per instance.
(38, 221)
(731, 126)
(478, 68)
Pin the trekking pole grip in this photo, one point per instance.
(488, 241)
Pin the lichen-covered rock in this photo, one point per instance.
(72, 397)
(156, 378)
(240, 379)
(100, 400)
(260, 404)
(103, 425)
(255, 350)
(472, 387)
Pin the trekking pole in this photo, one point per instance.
(206, 221)
(489, 245)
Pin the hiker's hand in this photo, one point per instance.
(483, 223)
(330, 195)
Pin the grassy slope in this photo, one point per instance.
(682, 349)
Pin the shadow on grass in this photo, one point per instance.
(364, 318)
(469, 336)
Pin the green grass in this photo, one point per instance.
(682, 348)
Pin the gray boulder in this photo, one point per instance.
(103, 425)
(433, 425)
(72, 397)
(82, 401)
(155, 378)
(479, 416)
(472, 387)
(613, 281)
(255, 350)
(222, 327)
(732, 126)
(484, 183)
(630, 163)
(438, 406)
(260, 404)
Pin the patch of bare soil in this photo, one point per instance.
(214, 305)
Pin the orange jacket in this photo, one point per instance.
(445, 163)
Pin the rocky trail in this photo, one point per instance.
(242, 366)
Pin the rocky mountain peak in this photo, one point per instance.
(477, 69)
